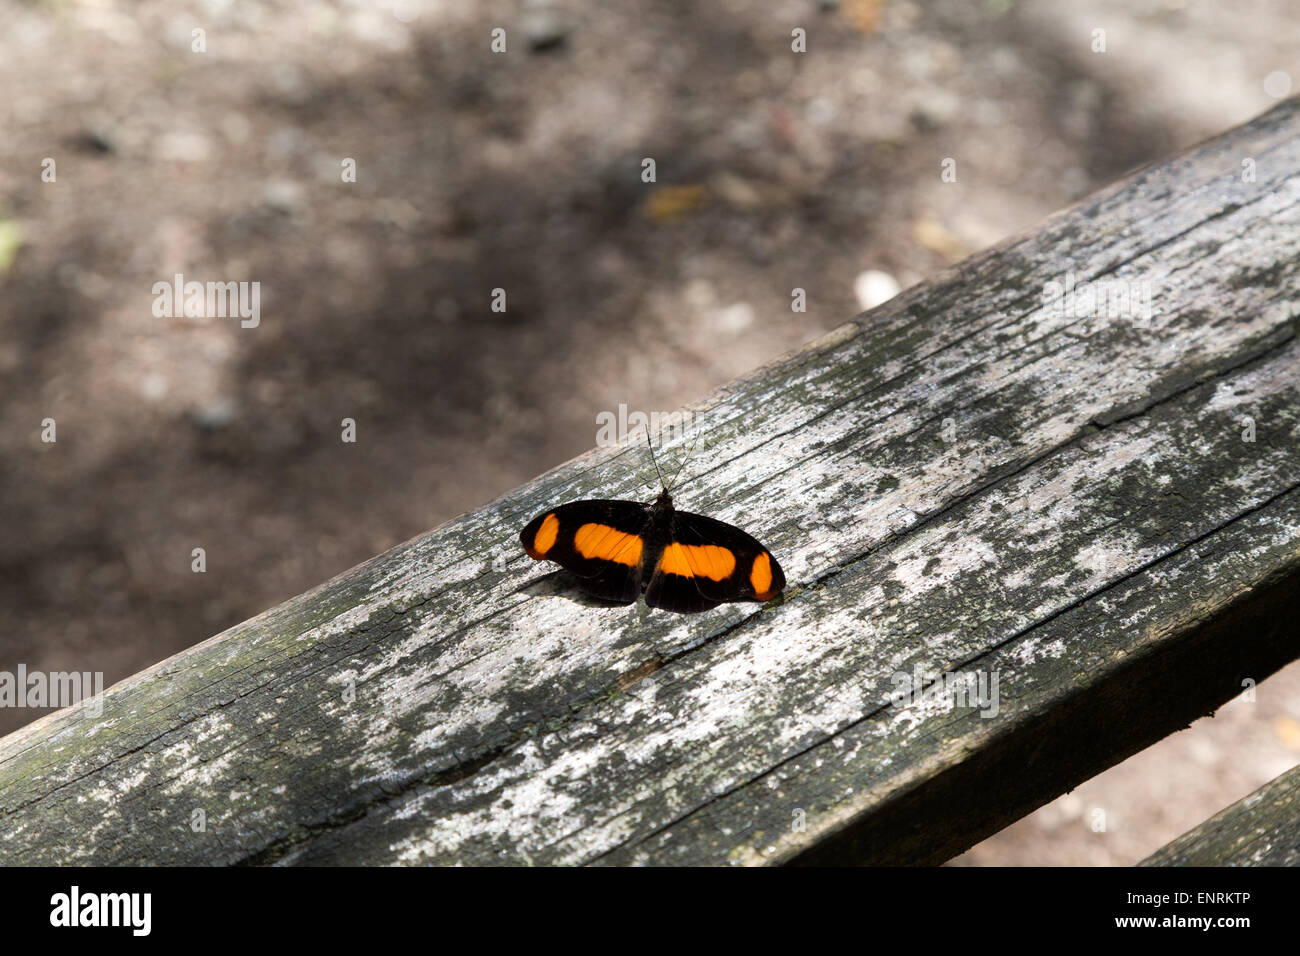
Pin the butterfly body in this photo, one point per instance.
(678, 561)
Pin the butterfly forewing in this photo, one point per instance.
(601, 542)
(708, 563)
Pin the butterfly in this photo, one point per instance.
(678, 561)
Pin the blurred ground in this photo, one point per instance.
(520, 171)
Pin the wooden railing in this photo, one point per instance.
(1089, 512)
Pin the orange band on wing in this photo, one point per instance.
(544, 540)
(608, 544)
(760, 577)
(698, 560)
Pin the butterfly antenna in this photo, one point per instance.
(690, 451)
(653, 460)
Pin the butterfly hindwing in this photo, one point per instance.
(600, 541)
(707, 562)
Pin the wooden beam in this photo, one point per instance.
(1262, 829)
(971, 478)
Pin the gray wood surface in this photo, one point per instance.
(1262, 829)
(963, 479)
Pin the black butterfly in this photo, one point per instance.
(680, 561)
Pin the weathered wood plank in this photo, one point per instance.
(1262, 829)
(965, 478)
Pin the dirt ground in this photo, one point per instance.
(521, 171)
